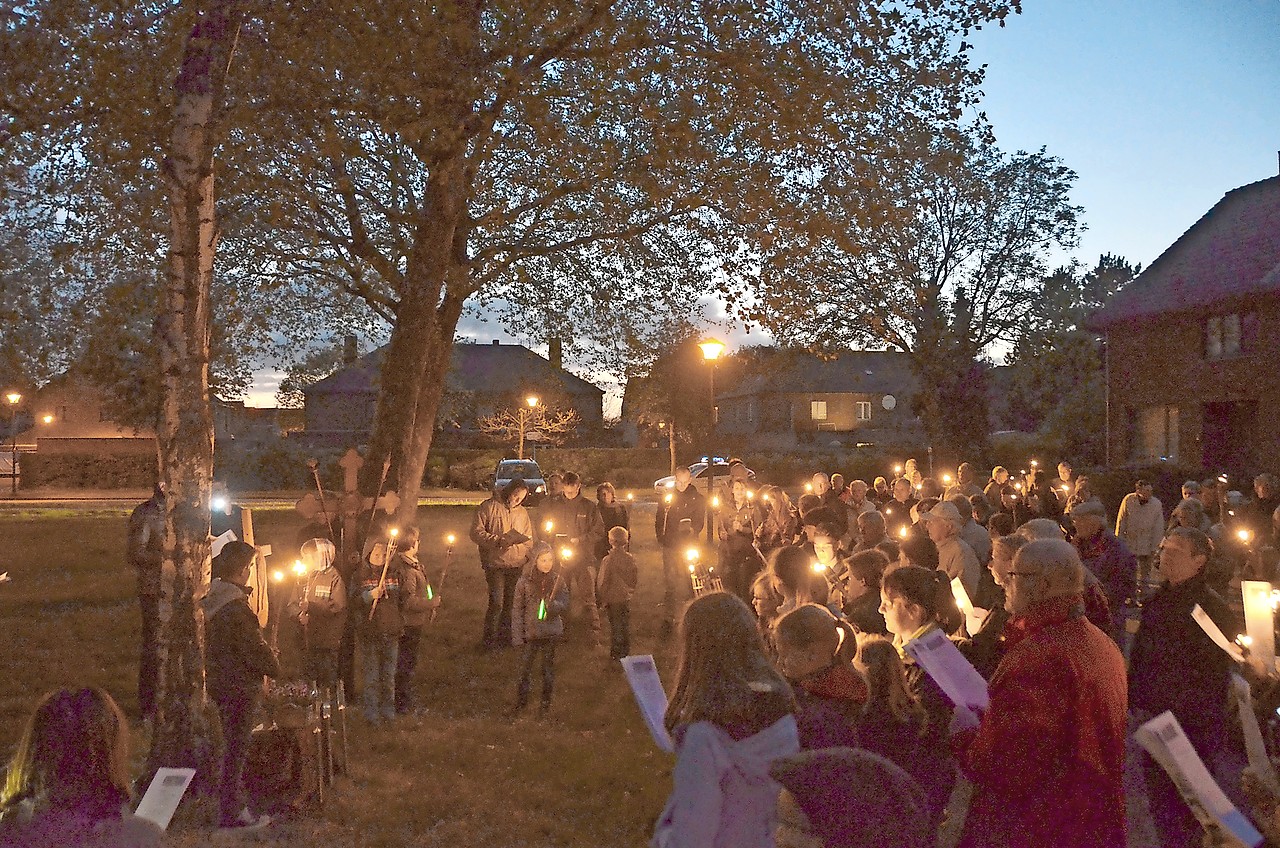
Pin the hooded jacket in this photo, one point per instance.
(533, 589)
(722, 795)
(828, 705)
(237, 657)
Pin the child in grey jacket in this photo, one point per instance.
(537, 621)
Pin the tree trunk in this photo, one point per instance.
(184, 733)
(421, 346)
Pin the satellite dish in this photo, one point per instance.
(888, 401)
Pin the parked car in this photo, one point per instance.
(701, 472)
(521, 469)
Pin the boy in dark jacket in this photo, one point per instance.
(417, 601)
(537, 621)
(236, 660)
(617, 585)
(324, 612)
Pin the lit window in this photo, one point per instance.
(818, 410)
(1231, 335)
(864, 410)
(1213, 338)
(1156, 434)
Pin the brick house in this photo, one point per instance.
(785, 398)
(482, 379)
(1192, 342)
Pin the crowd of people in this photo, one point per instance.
(800, 716)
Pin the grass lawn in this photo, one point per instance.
(461, 775)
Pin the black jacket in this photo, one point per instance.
(1175, 666)
(667, 520)
(611, 516)
(236, 656)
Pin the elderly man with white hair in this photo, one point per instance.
(955, 556)
(1047, 756)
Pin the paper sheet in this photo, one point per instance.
(646, 685)
(1254, 746)
(1215, 633)
(164, 793)
(220, 542)
(4, 578)
(1168, 745)
(954, 674)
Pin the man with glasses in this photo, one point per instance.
(1047, 756)
(1176, 667)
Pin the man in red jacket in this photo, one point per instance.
(1047, 756)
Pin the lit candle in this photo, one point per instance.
(549, 526)
(450, 539)
(566, 553)
(903, 532)
(277, 576)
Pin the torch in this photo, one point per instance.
(386, 563)
(314, 465)
(449, 541)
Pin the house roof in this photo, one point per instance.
(475, 367)
(850, 372)
(1233, 251)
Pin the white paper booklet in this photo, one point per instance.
(646, 685)
(1168, 745)
(954, 674)
(164, 793)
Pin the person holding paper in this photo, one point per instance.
(236, 660)
(503, 532)
(1175, 666)
(68, 782)
(916, 601)
(732, 715)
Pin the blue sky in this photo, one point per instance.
(1160, 106)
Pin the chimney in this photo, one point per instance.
(555, 352)
(496, 342)
(349, 350)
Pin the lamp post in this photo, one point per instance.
(523, 416)
(711, 350)
(14, 398)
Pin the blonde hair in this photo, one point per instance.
(723, 675)
(618, 536)
(73, 755)
(881, 666)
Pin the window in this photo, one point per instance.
(1156, 434)
(818, 410)
(864, 410)
(1230, 335)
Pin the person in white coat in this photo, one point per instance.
(1140, 525)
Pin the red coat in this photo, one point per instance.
(1047, 761)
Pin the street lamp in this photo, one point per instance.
(13, 398)
(711, 351)
(524, 415)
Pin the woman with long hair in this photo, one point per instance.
(914, 602)
(68, 783)
(731, 714)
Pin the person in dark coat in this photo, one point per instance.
(1174, 666)
(144, 543)
(236, 660)
(680, 517)
(1046, 758)
(613, 513)
(1107, 558)
(862, 591)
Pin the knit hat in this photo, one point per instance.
(232, 559)
(855, 799)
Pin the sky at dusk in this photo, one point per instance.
(1160, 106)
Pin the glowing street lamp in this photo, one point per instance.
(524, 418)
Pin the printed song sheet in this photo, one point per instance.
(164, 793)
(646, 685)
(954, 674)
